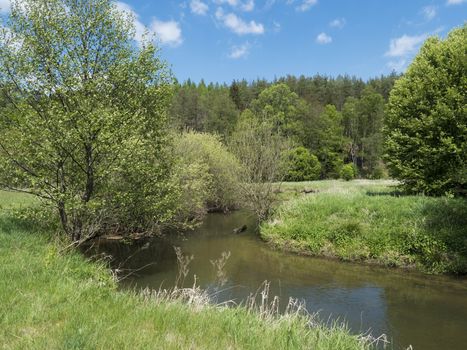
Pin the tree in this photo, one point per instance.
(324, 137)
(362, 119)
(426, 123)
(282, 107)
(371, 112)
(186, 111)
(348, 172)
(259, 148)
(85, 128)
(301, 165)
(221, 114)
(239, 93)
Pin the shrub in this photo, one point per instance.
(259, 148)
(348, 172)
(301, 165)
(379, 172)
(207, 174)
(194, 183)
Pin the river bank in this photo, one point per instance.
(370, 222)
(426, 311)
(55, 299)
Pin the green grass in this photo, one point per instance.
(52, 299)
(9, 200)
(366, 221)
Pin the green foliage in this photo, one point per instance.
(221, 113)
(185, 110)
(203, 108)
(380, 171)
(308, 110)
(364, 220)
(239, 93)
(193, 181)
(426, 124)
(280, 106)
(363, 118)
(348, 172)
(324, 135)
(259, 147)
(207, 173)
(301, 165)
(86, 126)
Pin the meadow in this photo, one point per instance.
(369, 221)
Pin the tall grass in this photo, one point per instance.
(53, 298)
(369, 221)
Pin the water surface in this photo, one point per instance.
(426, 312)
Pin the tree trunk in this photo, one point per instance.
(63, 217)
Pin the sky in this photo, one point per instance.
(223, 40)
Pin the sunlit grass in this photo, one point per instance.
(369, 221)
(56, 299)
(10, 200)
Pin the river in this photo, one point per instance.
(427, 312)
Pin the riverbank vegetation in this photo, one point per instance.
(96, 128)
(53, 298)
(207, 175)
(371, 222)
(102, 139)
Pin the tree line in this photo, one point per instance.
(96, 127)
(338, 120)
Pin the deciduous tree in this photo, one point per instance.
(85, 126)
(426, 124)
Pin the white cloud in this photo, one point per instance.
(277, 26)
(230, 2)
(238, 25)
(198, 7)
(429, 12)
(241, 51)
(398, 65)
(168, 32)
(405, 45)
(5, 6)
(337, 23)
(246, 5)
(140, 28)
(323, 38)
(306, 5)
(455, 2)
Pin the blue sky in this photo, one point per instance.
(222, 40)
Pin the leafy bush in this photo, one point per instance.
(301, 165)
(207, 174)
(379, 172)
(331, 164)
(348, 172)
(194, 183)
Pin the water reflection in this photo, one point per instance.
(427, 312)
